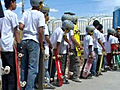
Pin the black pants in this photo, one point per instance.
(98, 63)
(9, 82)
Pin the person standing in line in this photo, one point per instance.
(32, 23)
(47, 46)
(8, 32)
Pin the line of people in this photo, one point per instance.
(36, 37)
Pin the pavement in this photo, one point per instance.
(110, 80)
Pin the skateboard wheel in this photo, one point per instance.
(62, 77)
(22, 84)
(6, 70)
(20, 55)
(54, 57)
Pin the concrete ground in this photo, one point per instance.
(108, 81)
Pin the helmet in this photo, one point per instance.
(90, 28)
(118, 27)
(74, 19)
(111, 31)
(66, 17)
(67, 24)
(45, 9)
(35, 2)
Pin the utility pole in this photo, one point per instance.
(22, 6)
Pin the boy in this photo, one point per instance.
(96, 36)
(102, 38)
(8, 31)
(57, 37)
(88, 46)
(47, 46)
(74, 59)
(32, 24)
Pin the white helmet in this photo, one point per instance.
(35, 3)
(45, 9)
(90, 28)
(66, 17)
(67, 24)
(74, 19)
(111, 31)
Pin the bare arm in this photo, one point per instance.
(40, 37)
(102, 45)
(17, 35)
(58, 47)
(48, 41)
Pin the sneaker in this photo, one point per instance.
(76, 80)
(48, 86)
(65, 81)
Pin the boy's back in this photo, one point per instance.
(32, 20)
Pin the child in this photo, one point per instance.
(109, 41)
(47, 46)
(8, 31)
(88, 46)
(32, 24)
(57, 37)
(100, 27)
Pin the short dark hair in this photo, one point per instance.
(100, 27)
(96, 23)
(8, 2)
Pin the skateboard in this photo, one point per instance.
(117, 58)
(86, 70)
(88, 65)
(41, 71)
(101, 63)
(59, 67)
(17, 69)
(77, 38)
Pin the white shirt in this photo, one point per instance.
(88, 40)
(116, 40)
(108, 43)
(9, 22)
(96, 36)
(46, 32)
(56, 36)
(32, 19)
(102, 38)
(71, 33)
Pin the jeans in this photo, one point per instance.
(29, 63)
(47, 76)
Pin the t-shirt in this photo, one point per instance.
(108, 43)
(46, 33)
(56, 36)
(96, 36)
(102, 38)
(71, 33)
(88, 40)
(9, 22)
(32, 19)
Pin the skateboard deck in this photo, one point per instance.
(59, 68)
(86, 70)
(101, 63)
(17, 69)
(77, 38)
(41, 71)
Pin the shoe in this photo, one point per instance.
(48, 86)
(65, 81)
(76, 80)
(89, 76)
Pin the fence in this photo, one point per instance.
(106, 21)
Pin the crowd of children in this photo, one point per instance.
(63, 40)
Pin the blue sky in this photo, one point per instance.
(80, 7)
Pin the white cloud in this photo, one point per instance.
(19, 5)
(53, 10)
